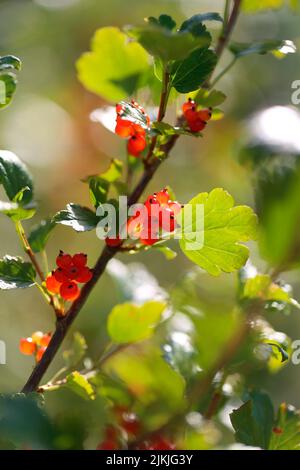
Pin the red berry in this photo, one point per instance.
(204, 114)
(60, 275)
(45, 340)
(69, 291)
(37, 337)
(52, 284)
(110, 440)
(79, 260)
(175, 206)
(167, 220)
(152, 205)
(163, 197)
(85, 275)
(130, 423)
(40, 353)
(197, 126)
(27, 346)
(136, 144)
(113, 242)
(277, 430)
(187, 105)
(149, 238)
(72, 272)
(124, 128)
(63, 260)
(191, 115)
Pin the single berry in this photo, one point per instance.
(52, 284)
(60, 275)
(124, 128)
(197, 126)
(163, 197)
(27, 346)
(69, 291)
(40, 353)
(45, 340)
(79, 260)
(204, 114)
(37, 337)
(136, 144)
(188, 105)
(152, 205)
(130, 423)
(113, 242)
(63, 260)
(85, 275)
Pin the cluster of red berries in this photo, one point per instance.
(35, 344)
(129, 426)
(71, 271)
(147, 225)
(131, 130)
(196, 118)
(159, 216)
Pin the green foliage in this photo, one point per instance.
(99, 184)
(39, 235)
(253, 6)
(189, 74)
(9, 65)
(287, 429)
(77, 351)
(253, 421)
(208, 98)
(78, 384)
(161, 42)
(15, 273)
(262, 287)
(114, 67)
(80, 218)
(214, 246)
(195, 21)
(128, 323)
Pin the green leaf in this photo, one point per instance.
(76, 352)
(165, 129)
(8, 62)
(253, 6)
(212, 229)
(80, 385)
(253, 421)
(189, 74)
(8, 85)
(99, 184)
(208, 98)
(128, 323)
(16, 212)
(15, 177)
(15, 273)
(166, 21)
(39, 235)
(262, 287)
(286, 431)
(195, 22)
(167, 45)
(263, 47)
(114, 67)
(80, 218)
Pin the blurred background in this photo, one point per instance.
(48, 125)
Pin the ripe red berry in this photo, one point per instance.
(63, 260)
(163, 197)
(40, 353)
(130, 423)
(197, 126)
(85, 275)
(45, 340)
(167, 220)
(60, 275)
(110, 440)
(188, 105)
(69, 291)
(79, 260)
(124, 128)
(204, 114)
(27, 346)
(72, 272)
(52, 284)
(136, 144)
(113, 242)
